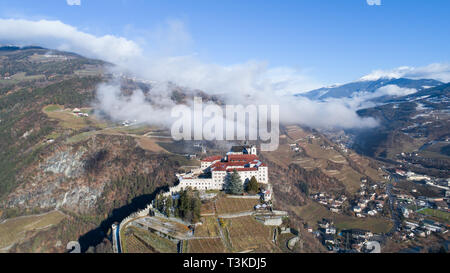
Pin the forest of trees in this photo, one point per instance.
(186, 206)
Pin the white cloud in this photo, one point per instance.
(394, 90)
(252, 82)
(74, 2)
(436, 71)
(55, 34)
(364, 99)
(374, 2)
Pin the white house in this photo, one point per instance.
(330, 230)
(372, 212)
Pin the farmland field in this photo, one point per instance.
(207, 208)
(19, 77)
(53, 108)
(133, 244)
(377, 225)
(149, 145)
(314, 212)
(350, 178)
(15, 229)
(248, 234)
(213, 245)
(135, 239)
(441, 215)
(209, 228)
(68, 120)
(234, 205)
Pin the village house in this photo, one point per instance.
(328, 239)
(441, 205)
(330, 230)
(360, 233)
(372, 212)
(78, 112)
(335, 210)
(325, 223)
(431, 226)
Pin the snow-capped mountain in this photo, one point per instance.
(387, 87)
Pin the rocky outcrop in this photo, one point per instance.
(58, 182)
(65, 162)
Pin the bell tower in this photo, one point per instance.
(253, 150)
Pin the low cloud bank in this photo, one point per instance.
(394, 90)
(329, 114)
(251, 82)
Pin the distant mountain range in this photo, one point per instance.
(15, 48)
(353, 88)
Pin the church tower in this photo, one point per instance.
(253, 150)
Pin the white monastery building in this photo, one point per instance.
(215, 170)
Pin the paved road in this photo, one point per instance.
(119, 249)
(394, 213)
(180, 246)
(116, 240)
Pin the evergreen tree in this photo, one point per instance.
(159, 203)
(304, 187)
(196, 205)
(183, 203)
(252, 185)
(235, 185)
(168, 205)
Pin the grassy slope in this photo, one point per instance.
(15, 229)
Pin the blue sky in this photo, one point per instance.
(332, 41)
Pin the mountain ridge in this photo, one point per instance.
(349, 89)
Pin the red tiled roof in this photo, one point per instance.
(242, 169)
(235, 161)
(229, 164)
(219, 166)
(247, 158)
(212, 158)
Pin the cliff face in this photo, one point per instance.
(75, 177)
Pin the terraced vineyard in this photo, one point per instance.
(133, 244)
(139, 241)
(213, 245)
(235, 205)
(247, 234)
(207, 208)
(209, 228)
